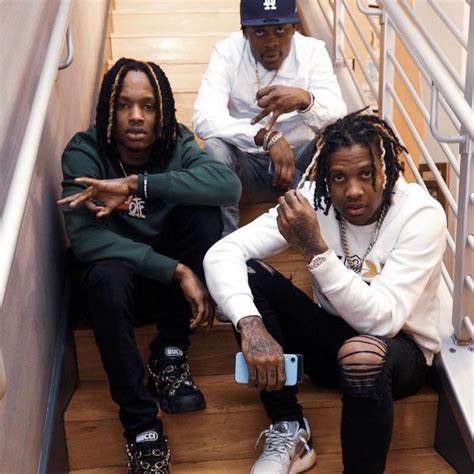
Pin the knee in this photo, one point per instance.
(221, 151)
(361, 362)
(107, 279)
(259, 275)
(204, 223)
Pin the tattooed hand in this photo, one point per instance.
(298, 223)
(263, 354)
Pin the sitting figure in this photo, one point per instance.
(150, 211)
(374, 246)
(266, 91)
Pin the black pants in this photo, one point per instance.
(117, 298)
(300, 326)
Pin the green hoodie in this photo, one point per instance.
(190, 178)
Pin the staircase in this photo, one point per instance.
(179, 36)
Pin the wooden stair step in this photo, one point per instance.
(211, 353)
(184, 77)
(406, 461)
(168, 23)
(184, 102)
(181, 6)
(158, 48)
(231, 409)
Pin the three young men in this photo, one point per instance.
(141, 208)
(266, 91)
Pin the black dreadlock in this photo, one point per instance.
(166, 126)
(355, 129)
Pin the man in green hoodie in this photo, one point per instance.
(141, 205)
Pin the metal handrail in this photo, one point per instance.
(434, 119)
(70, 50)
(449, 24)
(366, 10)
(421, 107)
(420, 49)
(443, 186)
(20, 184)
(439, 53)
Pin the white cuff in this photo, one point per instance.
(238, 307)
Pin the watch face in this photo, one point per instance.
(318, 260)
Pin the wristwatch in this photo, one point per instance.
(319, 259)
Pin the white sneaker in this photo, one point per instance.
(286, 449)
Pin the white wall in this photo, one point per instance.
(28, 320)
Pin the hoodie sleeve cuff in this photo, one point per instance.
(159, 267)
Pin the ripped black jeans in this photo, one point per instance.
(371, 371)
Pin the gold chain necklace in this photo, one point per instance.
(353, 262)
(258, 76)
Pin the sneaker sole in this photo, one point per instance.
(164, 406)
(303, 462)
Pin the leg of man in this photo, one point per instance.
(374, 371)
(187, 235)
(300, 326)
(225, 153)
(110, 289)
(256, 174)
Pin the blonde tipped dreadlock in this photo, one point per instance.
(112, 106)
(355, 129)
(310, 170)
(166, 127)
(160, 96)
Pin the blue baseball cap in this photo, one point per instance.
(267, 12)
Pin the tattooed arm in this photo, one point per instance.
(298, 223)
(263, 354)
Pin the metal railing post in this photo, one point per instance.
(386, 68)
(463, 297)
(338, 32)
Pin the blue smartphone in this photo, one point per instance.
(293, 369)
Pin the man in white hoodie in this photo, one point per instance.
(266, 92)
(374, 246)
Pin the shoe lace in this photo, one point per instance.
(280, 444)
(151, 460)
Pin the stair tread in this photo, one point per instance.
(209, 34)
(92, 401)
(423, 460)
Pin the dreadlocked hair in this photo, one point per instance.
(166, 126)
(355, 129)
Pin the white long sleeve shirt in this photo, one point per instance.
(226, 101)
(398, 285)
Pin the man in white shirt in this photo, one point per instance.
(374, 248)
(266, 92)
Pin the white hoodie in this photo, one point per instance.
(403, 268)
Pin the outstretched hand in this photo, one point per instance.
(278, 100)
(111, 192)
(298, 224)
(196, 294)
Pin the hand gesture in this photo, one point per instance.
(283, 164)
(196, 294)
(263, 354)
(279, 100)
(111, 192)
(298, 223)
